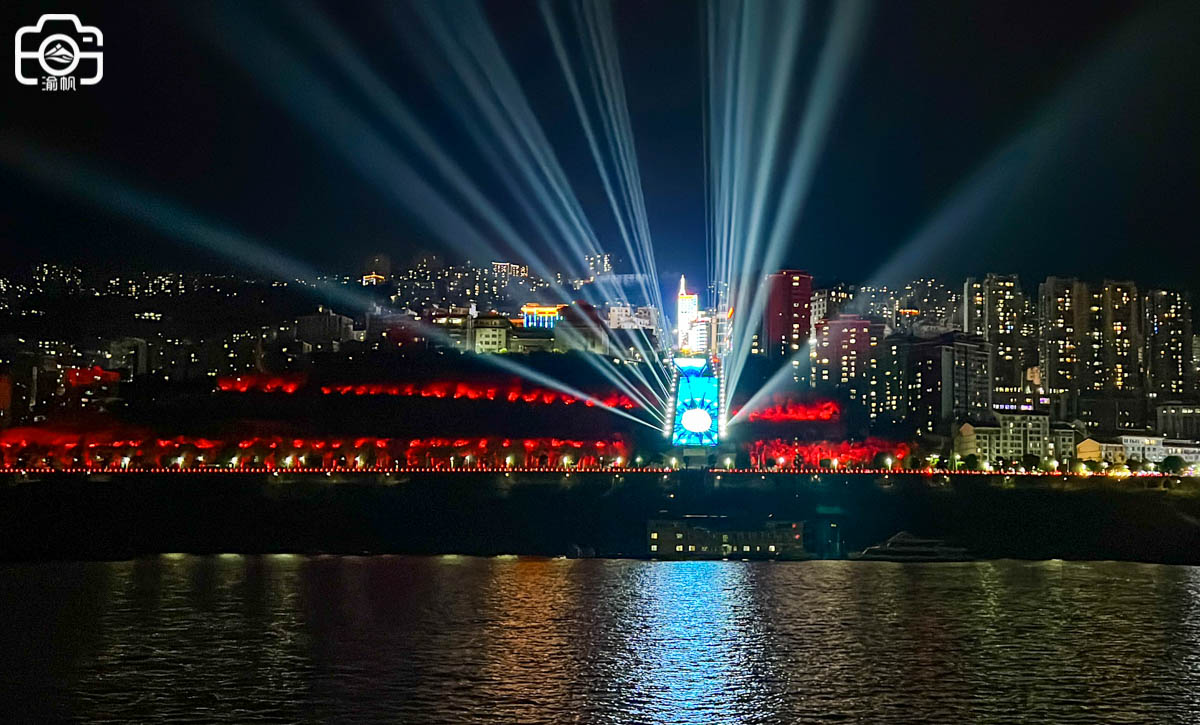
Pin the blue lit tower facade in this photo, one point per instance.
(697, 393)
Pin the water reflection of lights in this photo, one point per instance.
(699, 653)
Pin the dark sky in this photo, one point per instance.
(1100, 99)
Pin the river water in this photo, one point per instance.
(234, 639)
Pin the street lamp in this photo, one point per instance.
(728, 462)
(888, 460)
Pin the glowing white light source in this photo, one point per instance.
(696, 420)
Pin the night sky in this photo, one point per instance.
(1101, 99)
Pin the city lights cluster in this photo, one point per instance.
(43, 449)
(85, 377)
(262, 383)
(792, 454)
(470, 391)
(397, 468)
(787, 410)
(512, 392)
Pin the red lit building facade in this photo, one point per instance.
(788, 313)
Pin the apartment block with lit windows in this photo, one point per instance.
(1168, 352)
(933, 382)
(843, 356)
(788, 313)
(1092, 340)
(828, 303)
(994, 309)
(1062, 306)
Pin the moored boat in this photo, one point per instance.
(907, 547)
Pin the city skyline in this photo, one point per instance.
(1034, 344)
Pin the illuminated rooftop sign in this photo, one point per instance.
(536, 315)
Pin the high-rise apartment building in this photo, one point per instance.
(1091, 337)
(843, 348)
(787, 318)
(994, 309)
(843, 355)
(1062, 312)
(1167, 333)
(827, 303)
(700, 335)
(687, 310)
(928, 303)
(934, 382)
(1119, 324)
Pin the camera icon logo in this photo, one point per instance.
(61, 47)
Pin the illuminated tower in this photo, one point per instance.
(687, 309)
(697, 418)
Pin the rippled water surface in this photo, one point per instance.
(425, 640)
